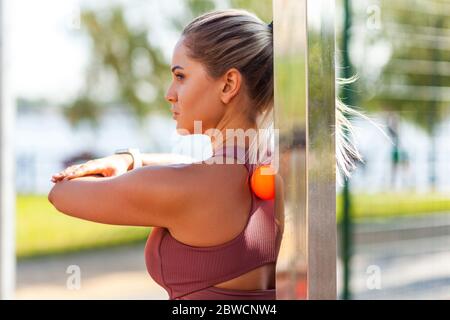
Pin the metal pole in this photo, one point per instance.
(305, 116)
(7, 195)
(321, 154)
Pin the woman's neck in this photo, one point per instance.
(238, 133)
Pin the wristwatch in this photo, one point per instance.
(135, 154)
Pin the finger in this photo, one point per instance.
(66, 171)
(60, 175)
(69, 170)
(74, 171)
(97, 167)
(57, 178)
(79, 172)
(87, 169)
(73, 175)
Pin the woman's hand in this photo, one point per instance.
(110, 166)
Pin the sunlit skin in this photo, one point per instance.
(186, 199)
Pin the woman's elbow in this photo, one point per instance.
(52, 196)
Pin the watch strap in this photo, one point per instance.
(135, 154)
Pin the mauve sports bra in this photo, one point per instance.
(188, 272)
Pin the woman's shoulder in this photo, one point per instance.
(219, 172)
(211, 182)
(220, 190)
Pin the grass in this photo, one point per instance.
(390, 204)
(42, 230)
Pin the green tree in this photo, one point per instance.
(120, 52)
(262, 8)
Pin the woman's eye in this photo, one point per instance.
(179, 77)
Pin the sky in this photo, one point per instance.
(47, 51)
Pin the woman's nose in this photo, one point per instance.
(170, 96)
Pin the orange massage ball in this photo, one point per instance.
(262, 182)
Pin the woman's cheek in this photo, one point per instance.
(183, 97)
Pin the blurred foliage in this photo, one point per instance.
(402, 26)
(122, 53)
(82, 108)
(262, 8)
(194, 9)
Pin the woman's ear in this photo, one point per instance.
(231, 85)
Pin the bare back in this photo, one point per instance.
(223, 215)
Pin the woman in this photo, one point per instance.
(212, 237)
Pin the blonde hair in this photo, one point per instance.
(236, 38)
(347, 154)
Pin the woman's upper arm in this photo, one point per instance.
(148, 196)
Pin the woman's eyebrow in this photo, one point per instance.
(176, 67)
